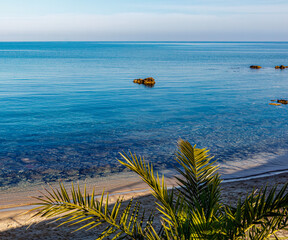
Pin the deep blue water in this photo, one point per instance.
(68, 108)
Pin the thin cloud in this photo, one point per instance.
(231, 10)
(145, 26)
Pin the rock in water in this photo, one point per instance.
(281, 67)
(146, 81)
(283, 101)
(255, 67)
(149, 81)
(275, 104)
(139, 81)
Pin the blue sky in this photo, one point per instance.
(135, 20)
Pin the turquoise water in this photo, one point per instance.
(68, 108)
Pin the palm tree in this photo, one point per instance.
(193, 210)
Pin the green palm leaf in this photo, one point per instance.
(86, 210)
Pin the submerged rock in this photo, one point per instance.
(146, 81)
(275, 104)
(255, 67)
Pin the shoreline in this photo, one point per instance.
(256, 176)
(133, 184)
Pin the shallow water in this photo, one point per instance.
(68, 108)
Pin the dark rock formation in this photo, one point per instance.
(283, 101)
(146, 81)
(281, 67)
(279, 102)
(255, 67)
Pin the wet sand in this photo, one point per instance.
(13, 222)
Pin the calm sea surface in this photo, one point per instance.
(68, 108)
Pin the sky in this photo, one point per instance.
(139, 20)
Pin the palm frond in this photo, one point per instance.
(89, 212)
(199, 182)
(260, 215)
(159, 190)
(265, 212)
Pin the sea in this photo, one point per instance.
(67, 109)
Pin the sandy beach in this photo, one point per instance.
(14, 221)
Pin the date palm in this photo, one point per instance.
(193, 210)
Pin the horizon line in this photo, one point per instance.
(196, 41)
